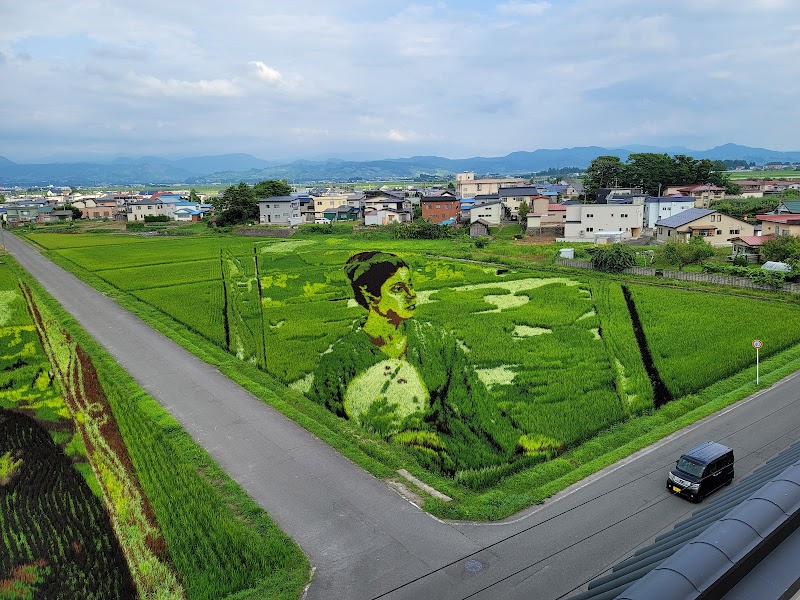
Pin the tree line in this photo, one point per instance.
(654, 172)
(239, 203)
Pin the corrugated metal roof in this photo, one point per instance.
(682, 218)
(672, 583)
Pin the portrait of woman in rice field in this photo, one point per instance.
(407, 380)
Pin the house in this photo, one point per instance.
(396, 202)
(48, 214)
(554, 216)
(749, 246)
(479, 228)
(467, 186)
(782, 224)
(572, 189)
(791, 207)
(716, 228)
(385, 216)
(342, 213)
(512, 197)
(703, 194)
(466, 207)
(279, 210)
(99, 208)
(321, 203)
(491, 212)
(137, 211)
(590, 222)
(603, 194)
(23, 212)
(190, 215)
(750, 189)
(437, 209)
(661, 207)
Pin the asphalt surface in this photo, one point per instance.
(365, 540)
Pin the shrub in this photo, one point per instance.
(156, 219)
(613, 258)
(481, 242)
(134, 226)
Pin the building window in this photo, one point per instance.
(734, 232)
(719, 231)
(589, 216)
(590, 229)
(669, 232)
(624, 216)
(660, 231)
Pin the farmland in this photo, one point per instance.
(551, 359)
(148, 514)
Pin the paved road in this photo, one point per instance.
(364, 539)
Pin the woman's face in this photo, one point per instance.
(397, 298)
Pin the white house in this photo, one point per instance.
(599, 222)
(279, 210)
(513, 197)
(385, 216)
(137, 211)
(661, 207)
(491, 212)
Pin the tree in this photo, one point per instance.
(696, 250)
(451, 186)
(272, 187)
(612, 258)
(523, 211)
(237, 204)
(2, 198)
(604, 171)
(76, 212)
(193, 197)
(784, 248)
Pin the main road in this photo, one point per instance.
(365, 540)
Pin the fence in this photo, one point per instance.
(730, 280)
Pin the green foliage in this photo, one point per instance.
(772, 279)
(612, 258)
(744, 208)
(652, 172)
(237, 204)
(421, 230)
(272, 187)
(76, 212)
(784, 248)
(686, 343)
(156, 219)
(481, 242)
(681, 254)
(523, 211)
(134, 226)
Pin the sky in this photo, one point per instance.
(378, 78)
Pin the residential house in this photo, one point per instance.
(661, 207)
(342, 213)
(396, 202)
(597, 222)
(188, 215)
(602, 195)
(555, 215)
(703, 194)
(440, 208)
(782, 224)
(788, 206)
(750, 189)
(716, 228)
(322, 203)
(307, 208)
(491, 212)
(99, 208)
(48, 214)
(572, 188)
(157, 207)
(512, 197)
(385, 216)
(749, 246)
(22, 212)
(279, 210)
(468, 186)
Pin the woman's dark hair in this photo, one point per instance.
(370, 270)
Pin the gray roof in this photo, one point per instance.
(687, 216)
(741, 516)
(670, 199)
(505, 192)
(278, 199)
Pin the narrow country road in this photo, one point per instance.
(363, 538)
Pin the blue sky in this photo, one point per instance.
(368, 78)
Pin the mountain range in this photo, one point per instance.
(233, 168)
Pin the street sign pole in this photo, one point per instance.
(757, 344)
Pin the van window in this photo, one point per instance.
(691, 467)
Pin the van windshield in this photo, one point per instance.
(691, 467)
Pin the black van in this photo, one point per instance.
(701, 470)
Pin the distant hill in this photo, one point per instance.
(152, 171)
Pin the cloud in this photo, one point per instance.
(523, 9)
(266, 72)
(149, 85)
(397, 136)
